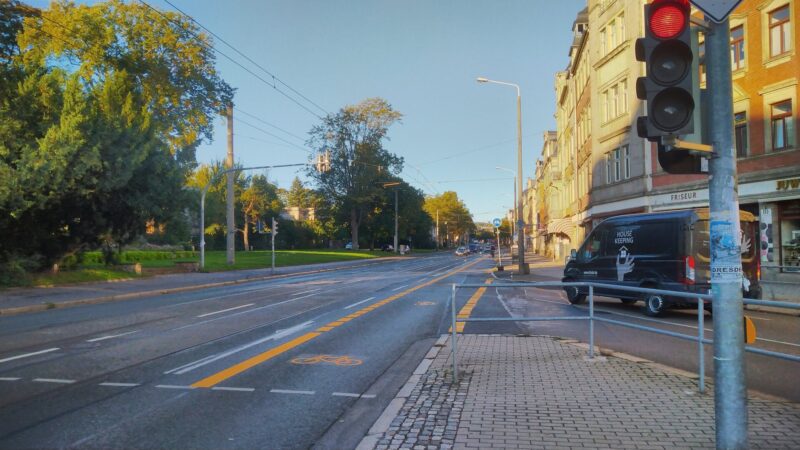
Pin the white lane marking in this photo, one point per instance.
(236, 389)
(53, 380)
(225, 310)
(41, 352)
(111, 384)
(111, 336)
(399, 287)
(777, 342)
(306, 292)
(289, 391)
(345, 394)
(358, 303)
(172, 386)
(10, 378)
(367, 395)
(209, 359)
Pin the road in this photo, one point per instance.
(303, 361)
(284, 362)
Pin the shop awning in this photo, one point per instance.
(564, 226)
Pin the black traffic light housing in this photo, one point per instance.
(668, 85)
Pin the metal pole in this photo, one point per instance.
(273, 246)
(203, 228)
(499, 258)
(396, 249)
(453, 333)
(701, 352)
(523, 268)
(231, 223)
(591, 322)
(437, 230)
(730, 396)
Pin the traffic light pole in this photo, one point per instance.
(730, 396)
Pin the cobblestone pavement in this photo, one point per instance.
(540, 392)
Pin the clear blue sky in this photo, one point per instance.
(422, 56)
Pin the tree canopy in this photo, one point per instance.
(454, 216)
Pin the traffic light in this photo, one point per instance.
(274, 227)
(668, 85)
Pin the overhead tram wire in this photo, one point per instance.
(292, 144)
(211, 47)
(248, 58)
(268, 124)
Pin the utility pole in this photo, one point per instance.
(273, 233)
(231, 223)
(437, 230)
(730, 396)
(396, 249)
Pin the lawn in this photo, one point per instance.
(215, 262)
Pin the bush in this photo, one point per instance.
(14, 269)
(134, 256)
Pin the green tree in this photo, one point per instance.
(259, 201)
(454, 216)
(299, 195)
(354, 136)
(103, 107)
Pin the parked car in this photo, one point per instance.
(387, 248)
(462, 251)
(667, 250)
(349, 246)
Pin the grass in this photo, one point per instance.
(215, 262)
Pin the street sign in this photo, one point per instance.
(716, 10)
(496, 222)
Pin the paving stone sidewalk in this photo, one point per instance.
(541, 392)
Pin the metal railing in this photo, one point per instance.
(591, 318)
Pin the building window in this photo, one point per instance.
(609, 173)
(701, 54)
(626, 157)
(781, 120)
(737, 48)
(740, 133)
(779, 33)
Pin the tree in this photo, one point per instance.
(259, 201)
(454, 217)
(98, 123)
(358, 161)
(298, 195)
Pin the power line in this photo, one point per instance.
(275, 78)
(474, 150)
(273, 135)
(268, 124)
(211, 47)
(468, 180)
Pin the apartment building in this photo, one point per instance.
(598, 167)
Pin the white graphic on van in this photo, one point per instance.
(745, 242)
(624, 263)
(624, 237)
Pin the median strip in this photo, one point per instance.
(283, 348)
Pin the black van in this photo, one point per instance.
(666, 250)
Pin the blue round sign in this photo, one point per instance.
(496, 222)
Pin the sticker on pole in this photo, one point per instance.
(496, 222)
(716, 10)
(726, 263)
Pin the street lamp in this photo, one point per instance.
(516, 213)
(523, 267)
(395, 184)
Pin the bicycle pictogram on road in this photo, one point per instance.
(343, 360)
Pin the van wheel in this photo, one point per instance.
(653, 305)
(629, 301)
(573, 294)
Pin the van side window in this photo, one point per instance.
(591, 249)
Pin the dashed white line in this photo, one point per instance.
(399, 287)
(111, 384)
(236, 389)
(345, 394)
(367, 395)
(173, 386)
(111, 336)
(25, 355)
(358, 303)
(10, 378)
(225, 310)
(53, 380)
(289, 391)
(306, 292)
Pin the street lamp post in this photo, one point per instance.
(523, 267)
(394, 184)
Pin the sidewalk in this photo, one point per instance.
(25, 300)
(542, 392)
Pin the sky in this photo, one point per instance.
(423, 56)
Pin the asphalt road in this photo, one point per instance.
(287, 363)
(297, 362)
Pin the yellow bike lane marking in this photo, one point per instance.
(466, 310)
(240, 367)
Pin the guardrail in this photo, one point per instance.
(591, 318)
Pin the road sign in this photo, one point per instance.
(716, 10)
(496, 222)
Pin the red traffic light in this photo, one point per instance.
(669, 18)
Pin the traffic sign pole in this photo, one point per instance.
(730, 395)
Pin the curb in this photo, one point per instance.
(131, 295)
(384, 421)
